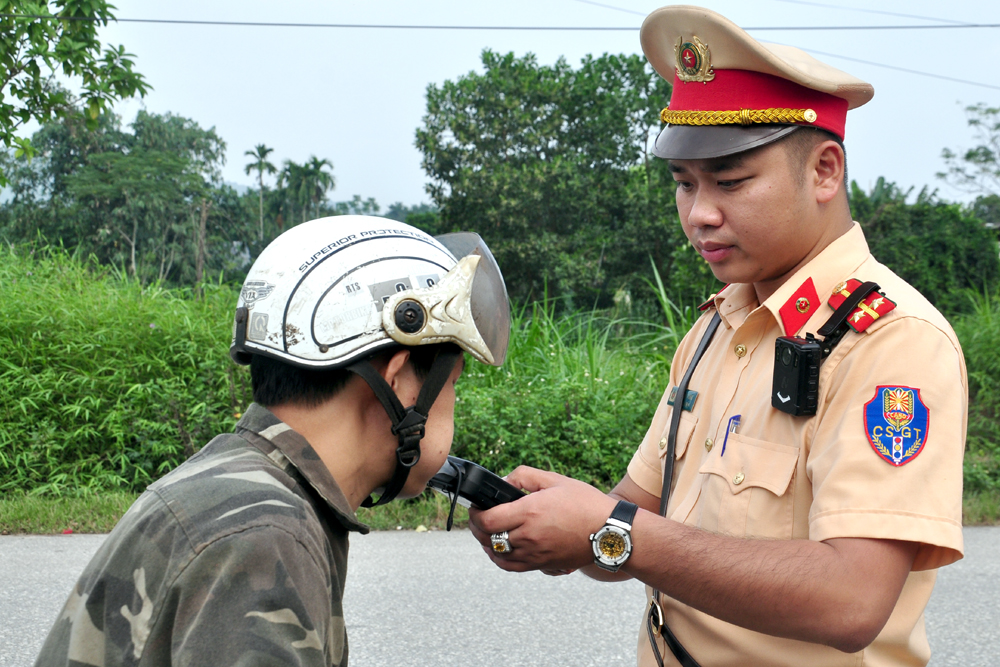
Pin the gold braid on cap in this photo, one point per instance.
(739, 117)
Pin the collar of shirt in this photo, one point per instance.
(279, 441)
(834, 264)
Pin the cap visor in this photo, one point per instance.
(690, 142)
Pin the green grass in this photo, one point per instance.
(98, 513)
(981, 508)
(47, 515)
(93, 513)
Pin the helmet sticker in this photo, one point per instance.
(383, 290)
(254, 291)
(258, 326)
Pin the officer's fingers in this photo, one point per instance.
(507, 516)
(532, 479)
(481, 536)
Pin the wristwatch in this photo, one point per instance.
(613, 543)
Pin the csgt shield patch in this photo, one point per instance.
(896, 423)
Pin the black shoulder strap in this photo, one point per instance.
(675, 416)
(655, 623)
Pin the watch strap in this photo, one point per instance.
(624, 512)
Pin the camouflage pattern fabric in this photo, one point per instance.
(237, 557)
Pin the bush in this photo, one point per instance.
(106, 384)
(941, 249)
(979, 333)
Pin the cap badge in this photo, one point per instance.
(694, 61)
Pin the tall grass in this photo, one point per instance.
(575, 395)
(105, 383)
(979, 334)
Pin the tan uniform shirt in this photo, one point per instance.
(822, 477)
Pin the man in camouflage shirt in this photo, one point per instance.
(239, 556)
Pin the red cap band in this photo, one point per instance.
(736, 89)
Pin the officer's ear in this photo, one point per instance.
(826, 167)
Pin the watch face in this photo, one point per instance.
(612, 545)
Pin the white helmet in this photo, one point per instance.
(330, 292)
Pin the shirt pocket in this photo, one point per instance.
(748, 492)
(685, 432)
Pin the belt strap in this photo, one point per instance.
(655, 623)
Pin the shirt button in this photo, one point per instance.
(739, 478)
(663, 443)
(709, 443)
(740, 350)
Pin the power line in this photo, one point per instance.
(263, 24)
(397, 26)
(617, 9)
(903, 69)
(867, 11)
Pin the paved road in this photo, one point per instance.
(434, 599)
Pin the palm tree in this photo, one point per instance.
(260, 165)
(294, 181)
(319, 182)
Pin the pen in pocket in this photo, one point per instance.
(732, 427)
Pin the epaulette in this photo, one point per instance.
(711, 300)
(873, 307)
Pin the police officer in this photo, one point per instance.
(809, 506)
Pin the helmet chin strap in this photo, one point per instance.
(407, 423)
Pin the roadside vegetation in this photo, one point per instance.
(105, 385)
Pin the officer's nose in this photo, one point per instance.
(704, 211)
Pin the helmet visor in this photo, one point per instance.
(488, 301)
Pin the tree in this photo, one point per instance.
(260, 165)
(36, 50)
(306, 185)
(146, 199)
(977, 170)
(318, 181)
(550, 165)
(358, 206)
(941, 249)
(294, 186)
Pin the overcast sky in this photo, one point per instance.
(356, 96)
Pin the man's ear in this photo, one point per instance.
(827, 170)
(396, 369)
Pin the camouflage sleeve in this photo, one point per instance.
(257, 597)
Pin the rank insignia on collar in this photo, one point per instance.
(873, 307)
(799, 307)
(694, 61)
(896, 423)
(710, 301)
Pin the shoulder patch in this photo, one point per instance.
(873, 307)
(896, 423)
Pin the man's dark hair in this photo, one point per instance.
(799, 145)
(276, 382)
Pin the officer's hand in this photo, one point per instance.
(549, 529)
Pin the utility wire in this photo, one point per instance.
(396, 26)
(617, 9)
(858, 60)
(903, 69)
(543, 28)
(868, 11)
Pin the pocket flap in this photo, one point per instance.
(685, 429)
(749, 462)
